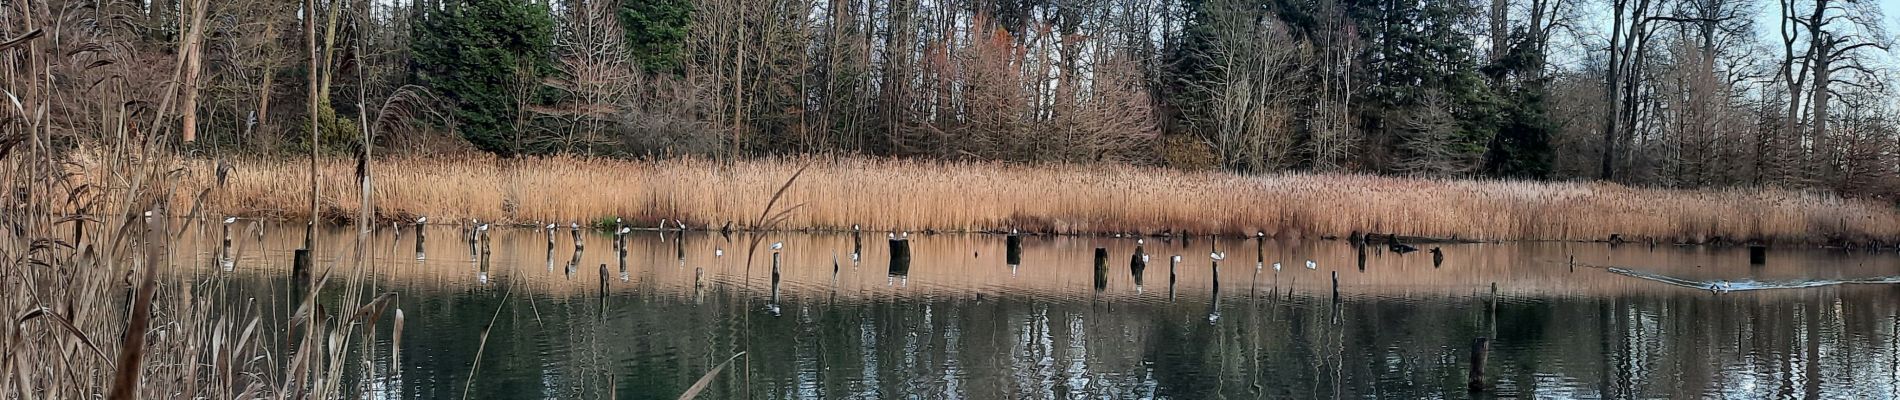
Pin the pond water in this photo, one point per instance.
(961, 322)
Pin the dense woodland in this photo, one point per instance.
(1668, 93)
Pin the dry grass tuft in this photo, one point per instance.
(961, 196)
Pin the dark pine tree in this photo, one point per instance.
(1522, 147)
(656, 32)
(479, 55)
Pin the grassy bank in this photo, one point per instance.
(948, 196)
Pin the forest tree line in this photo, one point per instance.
(1668, 93)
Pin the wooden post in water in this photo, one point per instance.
(1480, 350)
(900, 256)
(1335, 286)
(1013, 249)
(1173, 262)
(775, 271)
(1138, 264)
(1213, 307)
(224, 251)
(1139, 261)
(1757, 254)
(857, 242)
(575, 229)
(420, 237)
(482, 265)
(573, 263)
(1215, 268)
(1259, 249)
(603, 279)
(1101, 268)
(486, 244)
(1362, 256)
(300, 264)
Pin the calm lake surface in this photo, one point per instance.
(960, 322)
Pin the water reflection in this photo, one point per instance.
(956, 319)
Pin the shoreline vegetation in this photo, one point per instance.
(945, 196)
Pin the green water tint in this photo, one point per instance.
(961, 322)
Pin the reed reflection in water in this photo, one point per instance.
(959, 322)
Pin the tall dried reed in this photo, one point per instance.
(91, 318)
(884, 194)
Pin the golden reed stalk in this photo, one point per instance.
(904, 195)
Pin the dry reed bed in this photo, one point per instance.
(957, 196)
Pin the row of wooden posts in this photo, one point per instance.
(900, 259)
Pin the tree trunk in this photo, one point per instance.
(1500, 28)
(194, 60)
(1823, 148)
(1611, 94)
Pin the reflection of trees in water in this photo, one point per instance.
(1266, 347)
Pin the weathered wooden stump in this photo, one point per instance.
(1173, 263)
(1013, 249)
(775, 274)
(1362, 257)
(1138, 261)
(603, 279)
(857, 240)
(300, 264)
(900, 257)
(1335, 286)
(1101, 268)
(1757, 255)
(679, 243)
(1137, 264)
